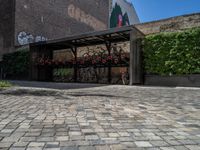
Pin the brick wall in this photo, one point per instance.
(171, 24)
(53, 19)
(6, 25)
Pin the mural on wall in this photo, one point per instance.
(24, 38)
(122, 14)
(117, 18)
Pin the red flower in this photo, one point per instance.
(109, 58)
(103, 61)
(98, 58)
(82, 62)
(94, 62)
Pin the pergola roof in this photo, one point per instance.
(91, 38)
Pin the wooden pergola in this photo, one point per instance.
(107, 37)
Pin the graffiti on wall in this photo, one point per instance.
(80, 15)
(24, 38)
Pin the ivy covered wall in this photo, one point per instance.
(175, 53)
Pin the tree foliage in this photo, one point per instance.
(16, 64)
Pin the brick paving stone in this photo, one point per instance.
(69, 148)
(123, 134)
(7, 130)
(52, 145)
(34, 134)
(180, 148)
(113, 135)
(91, 137)
(193, 147)
(126, 139)
(51, 149)
(159, 143)
(11, 139)
(20, 144)
(82, 143)
(167, 148)
(75, 138)
(27, 139)
(153, 148)
(62, 138)
(187, 142)
(5, 144)
(168, 137)
(34, 148)
(143, 144)
(74, 133)
(102, 147)
(87, 148)
(129, 144)
(102, 117)
(17, 148)
(45, 139)
(118, 147)
(68, 144)
(36, 144)
(173, 142)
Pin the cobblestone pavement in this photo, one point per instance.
(100, 118)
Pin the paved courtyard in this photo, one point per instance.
(100, 118)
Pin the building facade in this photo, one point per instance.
(26, 21)
(6, 26)
(40, 20)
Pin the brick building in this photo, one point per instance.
(26, 21)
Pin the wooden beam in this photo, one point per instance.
(75, 67)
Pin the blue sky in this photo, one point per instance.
(149, 10)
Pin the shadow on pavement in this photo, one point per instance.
(54, 85)
(20, 92)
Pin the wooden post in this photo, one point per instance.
(33, 69)
(108, 46)
(46, 73)
(136, 75)
(36, 73)
(74, 50)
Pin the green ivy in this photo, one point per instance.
(175, 53)
(5, 84)
(16, 64)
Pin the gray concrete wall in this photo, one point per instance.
(170, 24)
(53, 19)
